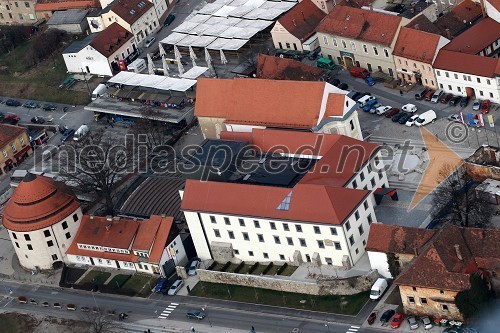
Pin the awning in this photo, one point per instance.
(404, 72)
(8, 162)
(21, 152)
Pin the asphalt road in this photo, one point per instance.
(220, 313)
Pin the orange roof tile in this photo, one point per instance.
(416, 45)
(467, 10)
(131, 10)
(111, 39)
(466, 63)
(334, 106)
(164, 231)
(54, 5)
(146, 233)
(476, 38)
(366, 25)
(107, 232)
(397, 239)
(276, 68)
(301, 20)
(38, 202)
(332, 204)
(8, 133)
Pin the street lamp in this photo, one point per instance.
(204, 309)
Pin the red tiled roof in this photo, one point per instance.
(332, 205)
(334, 106)
(111, 39)
(422, 23)
(38, 202)
(54, 5)
(439, 266)
(276, 68)
(366, 25)
(9, 133)
(107, 232)
(495, 3)
(416, 45)
(397, 239)
(467, 10)
(160, 242)
(302, 19)
(131, 10)
(466, 63)
(265, 140)
(476, 38)
(288, 104)
(341, 163)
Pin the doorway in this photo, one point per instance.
(348, 62)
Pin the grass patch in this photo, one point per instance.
(288, 271)
(140, 285)
(348, 305)
(232, 268)
(95, 277)
(273, 270)
(245, 269)
(15, 323)
(218, 266)
(259, 269)
(119, 280)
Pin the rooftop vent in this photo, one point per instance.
(348, 17)
(108, 226)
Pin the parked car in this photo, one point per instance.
(426, 118)
(362, 101)
(411, 120)
(13, 102)
(374, 108)
(369, 81)
(2, 116)
(464, 100)
(38, 120)
(485, 106)
(426, 322)
(195, 314)
(193, 267)
(420, 95)
(326, 63)
(398, 116)
(371, 318)
(169, 20)
(67, 134)
(49, 107)
(454, 100)
(290, 54)
(31, 105)
(445, 98)
(397, 320)
(453, 330)
(161, 284)
(412, 321)
(11, 118)
(359, 72)
(334, 82)
(410, 108)
(343, 86)
(437, 96)
(391, 112)
(476, 105)
(22, 300)
(175, 287)
(428, 95)
(313, 55)
(149, 42)
(387, 315)
(454, 117)
(368, 106)
(404, 118)
(71, 307)
(383, 109)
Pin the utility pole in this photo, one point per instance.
(86, 82)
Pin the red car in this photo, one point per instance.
(392, 112)
(397, 320)
(485, 106)
(11, 118)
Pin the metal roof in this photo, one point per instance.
(70, 16)
(76, 47)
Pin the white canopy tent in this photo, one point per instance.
(152, 81)
(194, 72)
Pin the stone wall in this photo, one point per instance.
(222, 252)
(323, 286)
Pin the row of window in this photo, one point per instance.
(352, 46)
(459, 89)
(429, 68)
(50, 243)
(19, 15)
(13, 147)
(465, 77)
(423, 302)
(46, 232)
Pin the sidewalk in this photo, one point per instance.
(172, 326)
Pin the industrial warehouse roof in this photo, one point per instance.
(70, 16)
(226, 24)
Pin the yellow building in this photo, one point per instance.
(17, 12)
(15, 146)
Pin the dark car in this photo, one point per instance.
(38, 120)
(387, 315)
(445, 98)
(391, 112)
(196, 314)
(464, 100)
(31, 105)
(161, 285)
(334, 82)
(11, 118)
(404, 118)
(314, 54)
(371, 318)
(343, 86)
(398, 116)
(419, 96)
(454, 100)
(169, 20)
(2, 116)
(12, 102)
(428, 95)
(67, 134)
(49, 107)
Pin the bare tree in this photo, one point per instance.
(150, 130)
(95, 163)
(100, 322)
(456, 202)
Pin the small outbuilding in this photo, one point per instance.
(72, 21)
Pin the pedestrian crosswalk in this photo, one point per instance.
(353, 329)
(168, 310)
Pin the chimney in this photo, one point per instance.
(108, 226)
(417, 26)
(109, 218)
(294, 23)
(448, 33)
(457, 250)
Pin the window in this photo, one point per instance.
(325, 40)
(446, 74)
(351, 240)
(54, 257)
(68, 235)
(352, 125)
(302, 242)
(212, 219)
(282, 257)
(14, 235)
(17, 245)
(289, 240)
(245, 236)
(354, 184)
(21, 139)
(365, 205)
(30, 247)
(441, 85)
(441, 292)
(250, 253)
(423, 300)
(64, 225)
(362, 175)
(375, 51)
(17, 5)
(488, 81)
(321, 244)
(333, 231)
(347, 226)
(411, 299)
(365, 48)
(13, 148)
(231, 234)
(277, 239)
(356, 251)
(369, 218)
(316, 230)
(27, 237)
(236, 252)
(75, 217)
(50, 243)
(364, 242)
(273, 225)
(361, 230)
(242, 222)
(456, 76)
(353, 46)
(5, 153)
(481, 92)
(256, 224)
(287, 45)
(27, 4)
(491, 95)
(414, 288)
(344, 45)
(334, 40)
(261, 238)
(386, 53)
(266, 256)
(356, 215)
(444, 307)
(298, 228)
(226, 220)
(337, 246)
(372, 181)
(285, 227)
(20, 16)
(217, 233)
(369, 168)
(478, 80)
(328, 261)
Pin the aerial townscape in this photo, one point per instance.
(248, 166)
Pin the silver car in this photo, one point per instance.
(412, 321)
(426, 322)
(175, 287)
(476, 105)
(192, 268)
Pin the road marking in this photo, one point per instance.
(64, 115)
(162, 317)
(174, 303)
(167, 311)
(172, 306)
(352, 326)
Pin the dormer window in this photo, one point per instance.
(132, 12)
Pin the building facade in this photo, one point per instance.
(15, 145)
(17, 12)
(42, 218)
(357, 37)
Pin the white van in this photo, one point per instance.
(425, 118)
(81, 132)
(99, 91)
(437, 95)
(378, 289)
(137, 66)
(365, 99)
